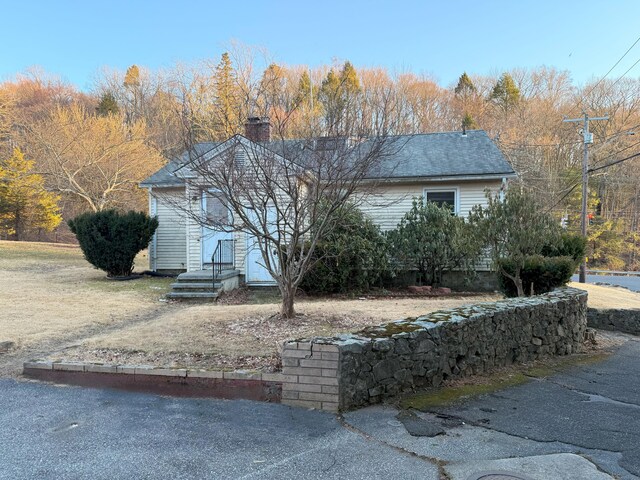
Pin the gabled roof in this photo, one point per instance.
(165, 177)
(443, 155)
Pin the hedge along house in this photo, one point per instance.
(451, 167)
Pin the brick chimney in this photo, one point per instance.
(258, 129)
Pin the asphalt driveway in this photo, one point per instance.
(49, 432)
(581, 424)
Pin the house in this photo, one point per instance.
(451, 167)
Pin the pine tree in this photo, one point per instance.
(25, 204)
(505, 93)
(132, 84)
(338, 94)
(108, 105)
(225, 84)
(132, 77)
(330, 98)
(465, 87)
(272, 96)
(305, 90)
(349, 79)
(464, 92)
(468, 123)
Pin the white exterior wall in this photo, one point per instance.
(168, 249)
(388, 204)
(178, 244)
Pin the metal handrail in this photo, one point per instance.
(224, 254)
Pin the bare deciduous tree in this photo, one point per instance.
(288, 201)
(99, 160)
(286, 194)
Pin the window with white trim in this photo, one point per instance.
(440, 197)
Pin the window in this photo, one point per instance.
(216, 210)
(443, 197)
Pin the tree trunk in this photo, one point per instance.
(18, 226)
(287, 309)
(518, 281)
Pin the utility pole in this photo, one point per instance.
(588, 139)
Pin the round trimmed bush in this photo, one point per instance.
(110, 240)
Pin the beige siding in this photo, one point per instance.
(388, 204)
(169, 245)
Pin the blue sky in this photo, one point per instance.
(74, 39)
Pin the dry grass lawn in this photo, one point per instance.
(246, 335)
(54, 304)
(609, 297)
(49, 292)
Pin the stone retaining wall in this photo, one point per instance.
(351, 370)
(620, 320)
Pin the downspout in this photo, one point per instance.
(187, 224)
(503, 188)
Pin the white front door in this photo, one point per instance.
(255, 271)
(218, 216)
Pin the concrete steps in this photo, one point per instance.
(191, 295)
(195, 285)
(200, 286)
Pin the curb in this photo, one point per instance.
(237, 384)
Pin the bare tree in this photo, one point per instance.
(287, 200)
(97, 160)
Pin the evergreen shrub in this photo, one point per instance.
(539, 274)
(110, 240)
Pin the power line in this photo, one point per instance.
(563, 197)
(614, 163)
(600, 160)
(628, 70)
(607, 74)
(587, 139)
(591, 170)
(516, 144)
(621, 132)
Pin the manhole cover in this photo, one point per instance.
(497, 476)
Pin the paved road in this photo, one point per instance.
(632, 283)
(555, 428)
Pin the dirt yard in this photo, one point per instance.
(54, 304)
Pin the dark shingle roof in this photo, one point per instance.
(447, 154)
(165, 177)
(444, 155)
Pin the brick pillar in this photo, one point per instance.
(311, 375)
